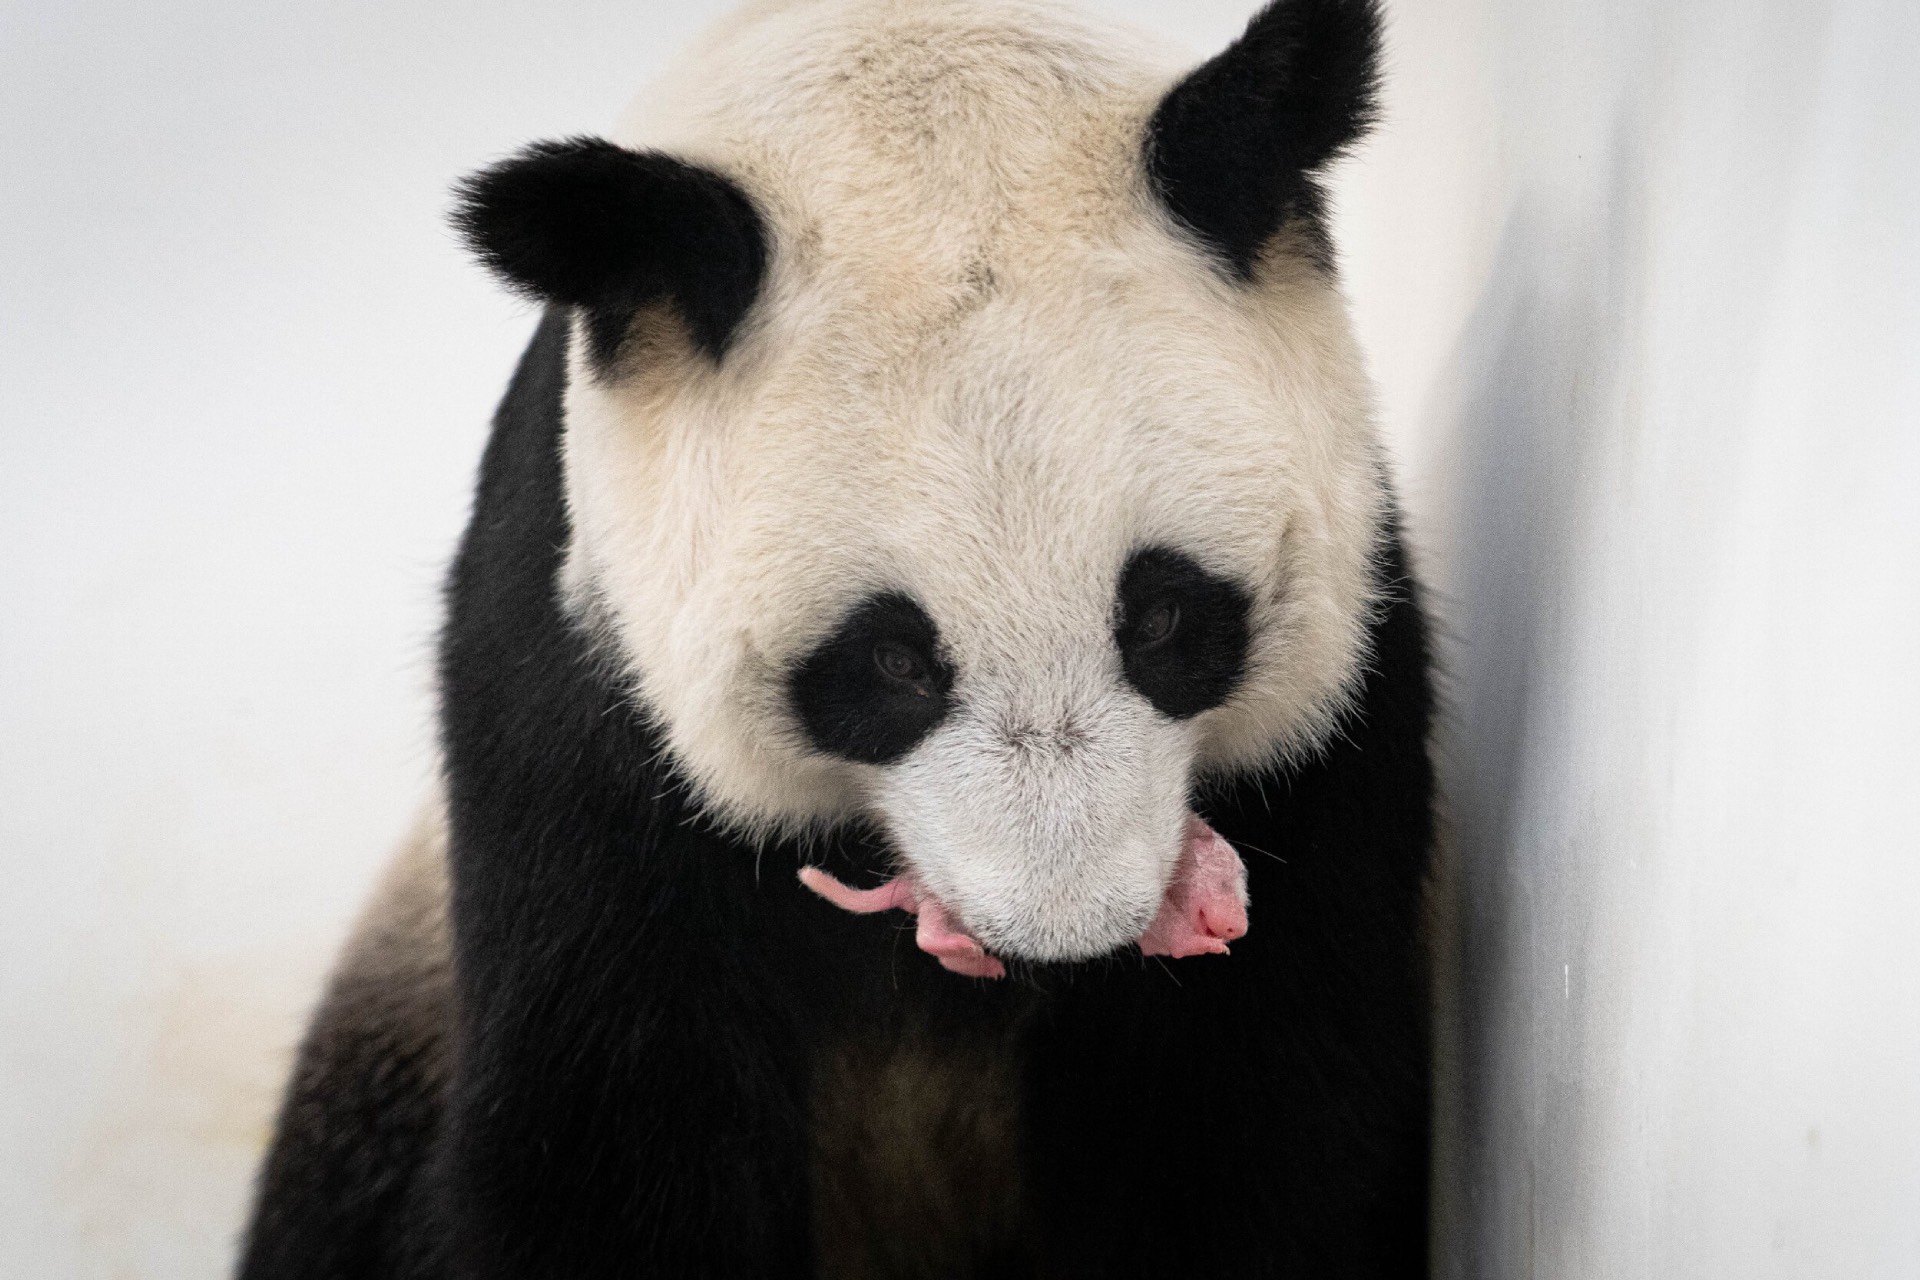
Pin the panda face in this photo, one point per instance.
(1011, 509)
(1009, 585)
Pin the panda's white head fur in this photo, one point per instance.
(964, 431)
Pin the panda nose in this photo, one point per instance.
(1064, 737)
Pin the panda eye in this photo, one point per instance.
(1160, 623)
(897, 662)
(1182, 632)
(876, 686)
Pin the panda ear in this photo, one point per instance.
(596, 226)
(1233, 150)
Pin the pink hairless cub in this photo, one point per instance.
(1204, 909)
(1206, 904)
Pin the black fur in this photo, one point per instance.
(591, 225)
(641, 1005)
(850, 704)
(1234, 148)
(1198, 663)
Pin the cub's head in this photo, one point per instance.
(964, 431)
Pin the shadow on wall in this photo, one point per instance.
(1541, 386)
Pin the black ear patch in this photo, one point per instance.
(876, 686)
(1182, 632)
(592, 225)
(1232, 150)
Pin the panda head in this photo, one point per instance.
(964, 433)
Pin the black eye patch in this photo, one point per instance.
(876, 686)
(1182, 632)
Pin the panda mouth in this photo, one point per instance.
(1204, 907)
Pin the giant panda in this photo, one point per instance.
(934, 707)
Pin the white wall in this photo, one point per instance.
(1663, 434)
(1643, 286)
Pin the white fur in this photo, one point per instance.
(985, 368)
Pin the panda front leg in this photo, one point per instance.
(670, 1170)
(1178, 1125)
(627, 1099)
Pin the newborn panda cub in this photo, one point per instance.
(933, 703)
